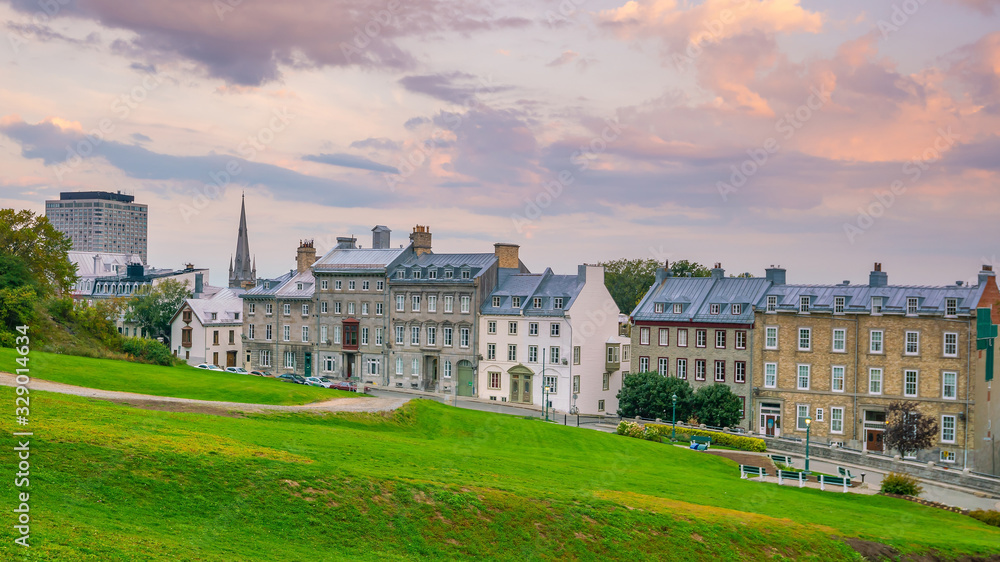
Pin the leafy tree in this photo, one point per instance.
(628, 279)
(17, 308)
(42, 249)
(716, 405)
(648, 395)
(15, 273)
(907, 429)
(681, 268)
(154, 309)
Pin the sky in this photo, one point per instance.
(819, 136)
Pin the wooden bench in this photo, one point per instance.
(799, 477)
(783, 459)
(833, 480)
(746, 471)
(844, 473)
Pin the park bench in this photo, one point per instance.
(833, 480)
(799, 477)
(844, 473)
(783, 459)
(746, 471)
(700, 442)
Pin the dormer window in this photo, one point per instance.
(215, 316)
(838, 305)
(466, 274)
(951, 307)
(737, 309)
(448, 274)
(714, 309)
(536, 302)
(496, 302)
(804, 304)
(400, 273)
(678, 308)
(432, 273)
(557, 303)
(772, 303)
(911, 306)
(658, 308)
(298, 286)
(515, 302)
(415, 273)
(876, 305)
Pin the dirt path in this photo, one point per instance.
(171, 404)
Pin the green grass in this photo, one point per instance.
(181, 381)
(111, 482)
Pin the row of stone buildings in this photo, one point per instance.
(835, 354)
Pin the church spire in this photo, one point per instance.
(243, 273)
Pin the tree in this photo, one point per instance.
(42, 249)
(154, 309)
(907, 429)
(648, 395)
(716, 405)
(681, 268)
(628, 279)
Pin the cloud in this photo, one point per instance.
(376, 144)
(977, 67)
(350, 161)
(564, 58)
(986, 7)
(141, 137)
(416, 122)
(453, 87)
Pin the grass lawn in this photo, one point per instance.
(181, 382)
(111, 482)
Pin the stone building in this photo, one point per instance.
(700, 329)
(839, 354)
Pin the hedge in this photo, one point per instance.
(740, 442)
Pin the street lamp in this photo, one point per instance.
(545, 391)
(808, 425)
(673, 429)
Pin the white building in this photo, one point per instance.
(558, 332)
(91, 265)
(210, 330)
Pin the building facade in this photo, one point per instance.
(700, 329)
(210, 330)
(838, 355)
(99, 221)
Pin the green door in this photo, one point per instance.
(465, 380)
(309, 364)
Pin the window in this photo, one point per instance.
(379, 285)
(324, 307)
(551, 383)
(447, 369)
(700, 338)
(554, 330)
(612, 355)
(491, 327)
(772, 303)
(948, 429)
(305, 333)
(415, 303)
(576, 383)
(351, 285)
(678, 308)
(289, 360)
(951, 307)
(740, 369)
(720, 339)
(699, 369)
(305, 310)
(431, 335)
(557, 303)
(605, 381)
(378, 309)
(911, 306)
(250, 332)
(626, 350)
(287, 309)
(875, 342)
(801, 413)
(838, 305)
(338, 285)
(511, 352)
(644, 364)
(909, 383)
(714, 308)
(837, 382)
(951, 344)
(819, 414)
(448, 274)
(400, 303)
(736, 309)
(682, 337)
(532, 328)
(364, 309)
(875, 381)
(267, 332)
(682, 369)
(554, 353)
(536, 302)
(512, 328)
(336, 334)
(912, 343)
(532, 354)
(771, 337)
(803, 378)
(364, 336)
(350, 309)
(373, 366)
(323, 333)
(415, 367)
(400, 335)
(770, 375)
(840, 340)
(949, 385)
(876, 305)
(432, 303)
(466, 274)
(664, 336)
(337, 307)
(494, 380)
(466, 302)
(448, 336)
(378, 336)
(286, 332)
(269, 309)
(664, 366)
(463, 337)
(365, 285)
(658, 308)
(515, 302)
(265, 358)
(414, 335)
(415, 274)
(804, 304)
(741, 339)
(576, 355)
(432, 273)
(251, 308)
(643, 336)
(399, 365)
(720, 371)
(836, 420)
(805, 339)
(496, 302)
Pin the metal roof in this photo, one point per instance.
(269, 287)
(858, 298)
(477, 264)
(696, 295)
(357, 258)
(225, 303)
(290, 289)
(529, 286)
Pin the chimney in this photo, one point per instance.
(346, 243)
(596, 276)
(507, 255)
(199, 284)
(878, 278)
(986, 274)
(718, 272)
(776, 275)
(420, 238)
(133, 270)
(305, 256)
(661, 274)
(380, 237)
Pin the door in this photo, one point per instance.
(309, 364)
(230, 359)
(770, 424)
(215, 357)
(526, 389)
(515, 388)
(349, 362)
(465, 385)
(874, 441)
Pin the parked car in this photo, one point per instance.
(288, 377)
(261, 374)
(317, 381)
(209, 367)
(348, 386)
(237, 370)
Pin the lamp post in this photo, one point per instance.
(673, 429)
(545, 392)
(808, 425)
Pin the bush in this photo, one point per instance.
(147, 351)
(901, 484)
(655, 432)
(990, 517)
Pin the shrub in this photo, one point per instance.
(631, 429)
(990, 517)
(901, 484)
(147, 351)
(655, 432)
